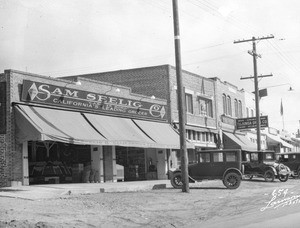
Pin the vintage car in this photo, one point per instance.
(291, 160)
(224, 165)
(263, 164)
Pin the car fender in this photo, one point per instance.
(273, 169)
(172, 172)
(232, 169)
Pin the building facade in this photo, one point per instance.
(54, 131)
(160, 81)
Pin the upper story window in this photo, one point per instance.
(205, 107)
(240, 109)
(236, 110)
(224, 104)
(189, 103)
(247, 112)
(229, 109)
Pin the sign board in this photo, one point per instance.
(47, 94)
(2, 107)
(246, 123)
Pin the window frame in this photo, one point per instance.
(189, 103)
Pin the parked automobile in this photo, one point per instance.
(263, 164)
(292, 160)
(225, 165)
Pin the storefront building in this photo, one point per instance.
(160, 81)
(231, 105)
(53, 130)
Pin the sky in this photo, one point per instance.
(70, 37)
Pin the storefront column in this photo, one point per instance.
(161, 164)
(114, 164)
(25, 163)
(97, 161)
(109, 155)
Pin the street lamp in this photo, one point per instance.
(263, 92)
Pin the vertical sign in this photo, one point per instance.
(2, 107)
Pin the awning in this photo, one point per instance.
(120, 131)
(196, 128)
(42, 124)
(274, 140)
(162, 133)
(237, 141)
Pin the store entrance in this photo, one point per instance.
(55, 162)
(134, 162)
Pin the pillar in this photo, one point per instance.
(25, 163)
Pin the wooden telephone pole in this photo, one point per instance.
(181, 102)
(255, 56)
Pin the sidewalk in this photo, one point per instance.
(34, 192)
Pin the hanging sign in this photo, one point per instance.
(42, 93)
(246, 123)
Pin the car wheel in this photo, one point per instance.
(176, 181)
(269, 176)
(283, 178)
(232, 180)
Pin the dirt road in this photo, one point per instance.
(208, 204)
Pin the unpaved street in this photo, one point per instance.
(208, 204)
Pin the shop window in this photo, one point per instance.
(133, 159)
(205, 107)
(218, 157)
(189, 103)
(231, 157)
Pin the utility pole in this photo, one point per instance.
(255, 56)
(181, 102)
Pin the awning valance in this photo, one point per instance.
(237, 141)
(274, 140)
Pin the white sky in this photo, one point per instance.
(66, 37)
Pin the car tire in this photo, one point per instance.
(269, 176)
(283, 178)
(232, 180)
(176, 180)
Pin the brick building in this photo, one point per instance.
(53, 130)
(160, 81)
(231, 105)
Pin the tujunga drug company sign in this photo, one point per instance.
(246, 123)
